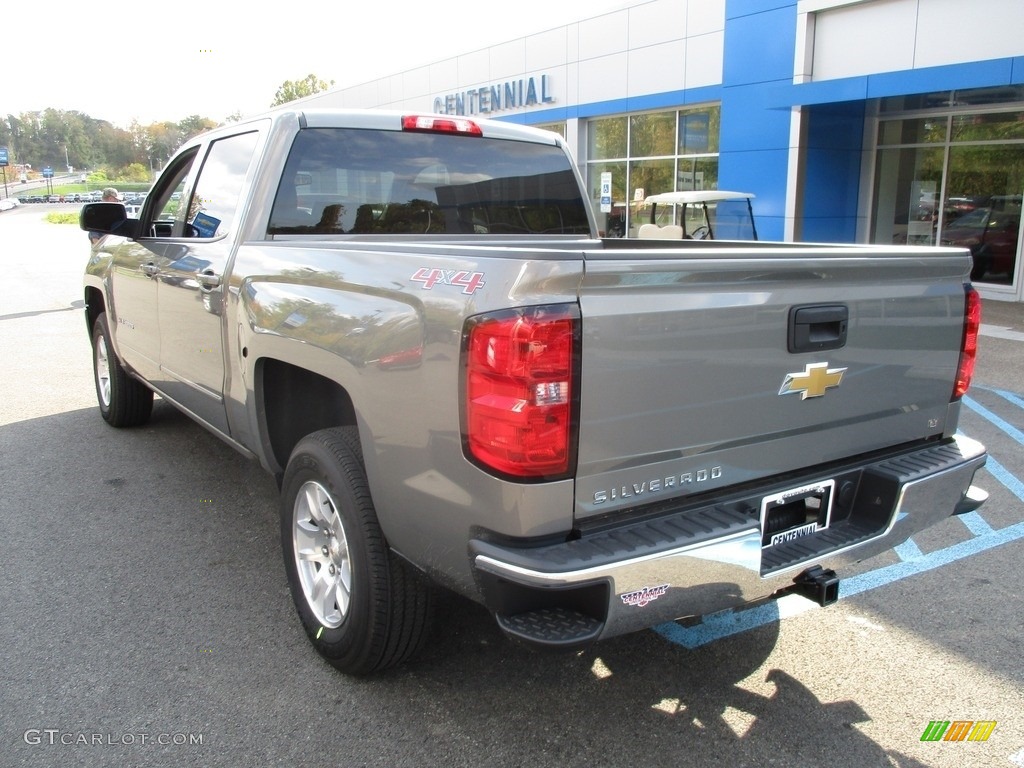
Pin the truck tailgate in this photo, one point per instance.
(714, 367)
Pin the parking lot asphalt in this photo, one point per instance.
(145, 618)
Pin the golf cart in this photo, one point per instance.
(700, 215)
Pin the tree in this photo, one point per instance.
(194, 125)
(291, 90)
(58, 138)
(135, 173)
(164, 139)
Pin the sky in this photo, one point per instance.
(153, 61)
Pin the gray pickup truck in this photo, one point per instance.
(413, 323)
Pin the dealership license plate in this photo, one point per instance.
(796, 513)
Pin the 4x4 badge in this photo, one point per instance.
(812, 381)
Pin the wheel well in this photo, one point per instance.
(296, 402)
(94, 307)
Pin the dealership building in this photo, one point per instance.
(867, 121)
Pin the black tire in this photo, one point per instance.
(123, 401)
(389, 605)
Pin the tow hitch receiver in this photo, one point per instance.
(818, 584)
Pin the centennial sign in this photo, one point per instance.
(497, 97)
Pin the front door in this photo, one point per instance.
(192, 281)
(135, 271)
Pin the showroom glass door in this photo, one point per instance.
(949, 170)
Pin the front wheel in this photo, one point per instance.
(123, 401)
(362, 607)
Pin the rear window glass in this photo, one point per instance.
(364, 182)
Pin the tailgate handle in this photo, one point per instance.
(814, 328)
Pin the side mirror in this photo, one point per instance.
(108, 218)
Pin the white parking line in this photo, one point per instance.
(997, 332)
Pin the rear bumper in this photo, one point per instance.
(696, 561)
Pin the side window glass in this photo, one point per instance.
(211, 210)
(165, 199)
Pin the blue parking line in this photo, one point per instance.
(1009, 396)
(976, 524)
(720, 625)
(1003, 475)
(908, 550)
(890, 573)
(986, 414)
(912, 560)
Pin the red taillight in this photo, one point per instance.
(969, 345)
(520, 370)
(434, 124)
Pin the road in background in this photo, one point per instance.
(145, 618)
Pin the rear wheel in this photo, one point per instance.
(123, 401)
(363, 608)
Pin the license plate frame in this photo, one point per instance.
(808, 507)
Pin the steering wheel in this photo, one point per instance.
(701, 233)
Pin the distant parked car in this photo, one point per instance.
(8, 204)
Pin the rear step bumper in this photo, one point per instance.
(702, 560)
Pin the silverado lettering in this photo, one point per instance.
(657, 485)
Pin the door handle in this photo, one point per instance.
(208, 279)
(150, 270)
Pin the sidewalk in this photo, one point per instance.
(1004, 319)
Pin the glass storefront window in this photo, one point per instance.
(907, 186)
(945, 100)
(954, 176)
(647, 154)
(999, 126)
(652, 134)
(650, 177)
(607, 138)
(697, 173)
(699, 129)
(558, 128)
(982, 208)
(926, 130)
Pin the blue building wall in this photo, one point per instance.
(757, 97)
(760, 38)
(832, 172)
